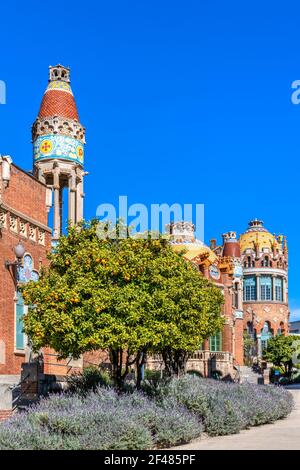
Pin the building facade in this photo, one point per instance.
(223, 352)
(23, 222)
(251, 272)
(265, 276)
(54, 188)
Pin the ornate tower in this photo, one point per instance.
(265, 273)
(58, 147)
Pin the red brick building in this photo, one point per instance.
(251, 272)
(265, 268)
(222, 265)
(23, 219)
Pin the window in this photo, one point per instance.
(215, 342)
(266, 288)
(250, 288)
(19, 335)
(265, 335)
(278, 289)
(265, 262)
(25, 273)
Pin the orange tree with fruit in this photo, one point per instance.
(132, 296)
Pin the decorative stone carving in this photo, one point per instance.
(58, 125)
(3, 218)
(32, 233)
(41, 237)
(13, 223)
(23, 228)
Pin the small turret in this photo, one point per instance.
(58, 147)
(231, 246)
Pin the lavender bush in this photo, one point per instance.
(175, 413)
(101, 420)
(226, 408)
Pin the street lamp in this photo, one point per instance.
(19, 252)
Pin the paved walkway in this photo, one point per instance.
(283, 434)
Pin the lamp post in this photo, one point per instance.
(19, 253)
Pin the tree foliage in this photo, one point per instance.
(128, 295)
(281, 350)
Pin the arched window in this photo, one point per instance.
(281, 329)
(19, 334)
(265, 262)
(265, 335)
(25, 273)
(249, 262)
(250, 327)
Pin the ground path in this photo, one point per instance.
(283, 434)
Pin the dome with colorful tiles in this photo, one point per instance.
(257, 235)
(57, 132)
(182, 237)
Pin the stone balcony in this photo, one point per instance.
(202, 361)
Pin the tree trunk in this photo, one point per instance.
(175, 361)
(140, 362)
(118, 374)
(116, 357)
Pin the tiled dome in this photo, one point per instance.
(257, 233)
(58, 100)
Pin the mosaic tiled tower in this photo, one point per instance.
(58, 147)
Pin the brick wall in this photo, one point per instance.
(277, 314)
(23, 204)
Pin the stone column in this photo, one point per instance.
(72, 196)
(273, 288)
(79, 200)
(259, 352)
(257, 287)
(240, 296)
(284, 289)
(57, 221)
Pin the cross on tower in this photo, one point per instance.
(46, 147)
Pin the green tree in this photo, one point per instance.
(280, 351)
(131, 296)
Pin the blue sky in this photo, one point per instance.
(185, 102)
